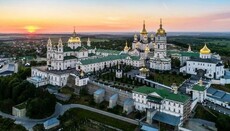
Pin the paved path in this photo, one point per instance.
(60, 110)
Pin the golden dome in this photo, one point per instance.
(144, 31)
(74, 38)
(161, 31)
(147, 50)
(205, 50)
(144, 70)
(126, 47)
(135, 35)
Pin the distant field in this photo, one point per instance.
(220, 45)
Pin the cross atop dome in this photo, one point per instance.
(74, 32)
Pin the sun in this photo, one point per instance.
(31, 28)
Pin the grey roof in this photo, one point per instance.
(114, 97)
(167, 118)
(61, 72)
(227, 75)
(148, 128)
(51, 122)
(6, 73)
(129, 101)
(211, 60)
(218, 95)
(99, 91)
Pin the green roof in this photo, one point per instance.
(135, 57)
(165, 94)
(88, 47)
(21, 106)
(69, 57)
(183, 53)
(198, 87)
(155, 99)
(190, 54)
(68, 49)
(106, 58)
(109, 51)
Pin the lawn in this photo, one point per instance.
(167, 78)
(66, 90)
(222, 87)
(77, 118)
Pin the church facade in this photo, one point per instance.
(207, 65)
(153, 48)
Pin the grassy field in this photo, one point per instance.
(221, 45)
(167, 79)
(76, 118)
(222, 87)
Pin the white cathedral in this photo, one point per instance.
(154, 49)
(60, 57)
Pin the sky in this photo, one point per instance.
(59, 16)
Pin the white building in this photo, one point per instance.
(206, 65)
(99, 63)
(161, 100)
(19, 110)
(62, 57)
(160, 61)
(199, 92)
(143, 41)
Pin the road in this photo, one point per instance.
(60, 110)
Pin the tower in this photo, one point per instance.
(49, 45)
(59, 61)
(126, 48)
(88, 42)
(118, 72)
(144, 34)
(189, 48)
(60, 46)
(74, 41)
(49, 53)
(147, 50)
(160, 46)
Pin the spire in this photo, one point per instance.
(144, 31)
(88, 42)
(160, 23)
(60, 42)
(126, 47)
(144, 24)
(49, 42)
(74, 33)
(189, 48)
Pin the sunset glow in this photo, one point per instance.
(31, 29)
(56, 16)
